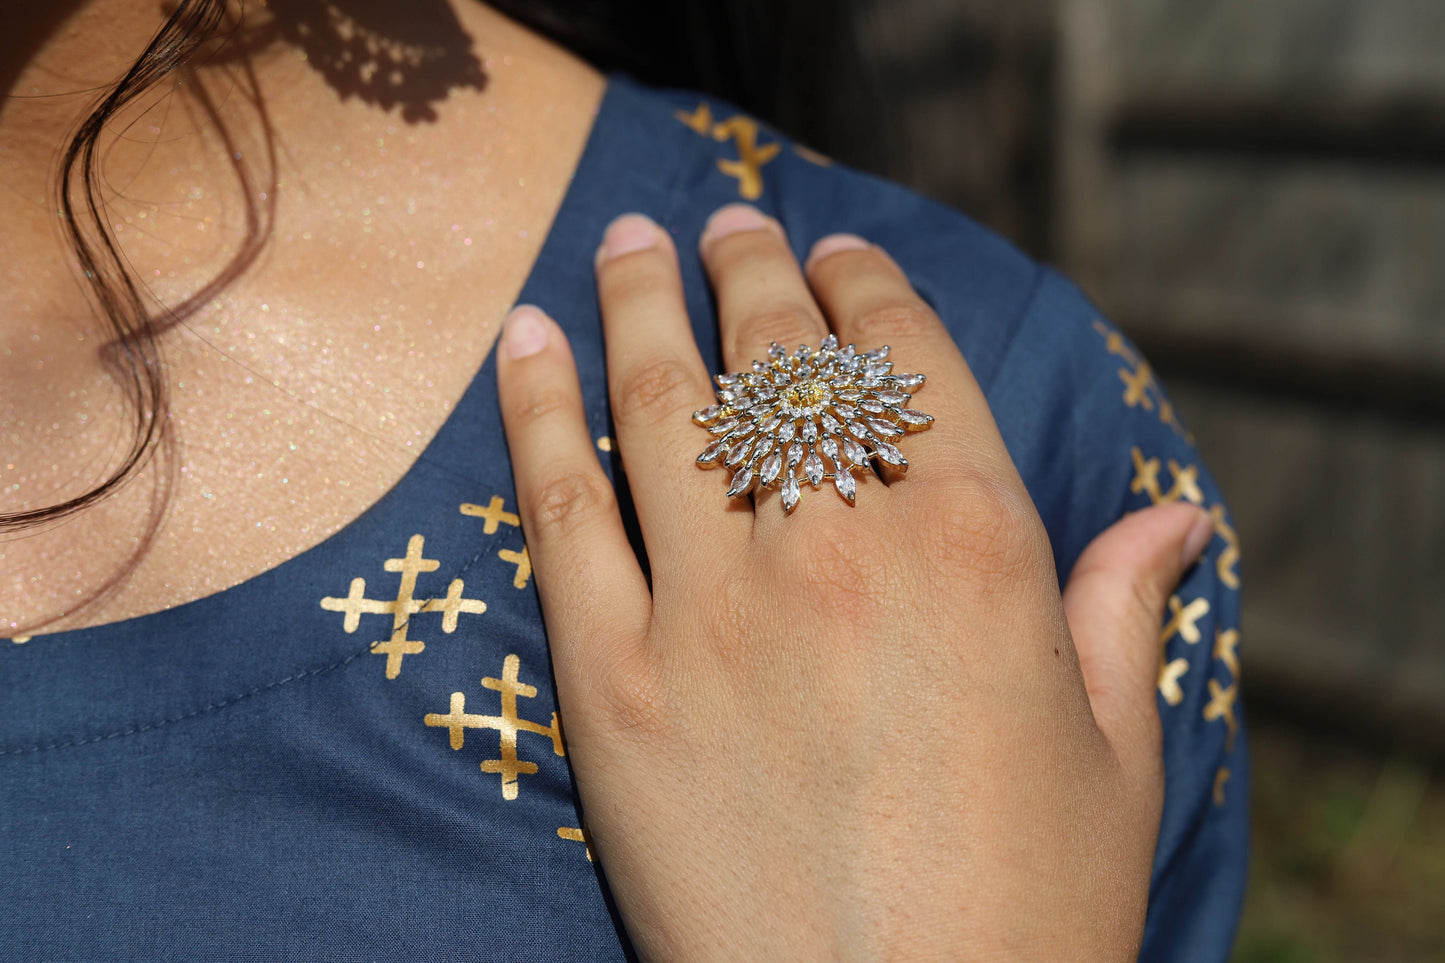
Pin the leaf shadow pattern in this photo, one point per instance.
(408, 56)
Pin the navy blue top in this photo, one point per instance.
(355, 755)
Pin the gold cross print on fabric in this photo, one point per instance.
(457, 721)
(1181, 622)
(1185, 486)
(578, 834)
(404, 606)
(1140, 388)
(494, 515)
(748, 168)
(1221, 776)
(1221, 706)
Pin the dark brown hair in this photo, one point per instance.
(133, 351)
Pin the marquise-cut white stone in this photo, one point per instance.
(724, 426)
(891, 397)
(858, 430)
(777, 352)
(885, 428)
(877, 354)
(786, 433)
(873, 405)
(830, 343)
(843, 481)
(909, 380)
(890, 454)
(912, 417)
(813, 468)
(790, 493)
(831, 425)
(856, 453)
(764, 445)
(810, 432)
(771, 467)
(712, 453)
(742, 481)
(830, 448)
(795, 455)
(739, 454)
(708, 414)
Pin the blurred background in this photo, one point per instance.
(1255, 191)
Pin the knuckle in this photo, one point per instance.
(656, 390)
(541, 402)
(568, 501)
(990, 529)
(787, 324)
(630, 277)
(633, 703)
(900, 320)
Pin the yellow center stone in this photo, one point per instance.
(805, 394)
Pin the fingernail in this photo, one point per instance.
(734, 219)
(834, 243)
(627, 234)
(525, 332)
(1199, 536)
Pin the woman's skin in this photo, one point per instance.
(1010, 814)
(314, 380)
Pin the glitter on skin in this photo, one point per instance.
(277, 412)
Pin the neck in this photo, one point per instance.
(352, 286)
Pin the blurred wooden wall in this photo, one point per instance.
(1255, 191)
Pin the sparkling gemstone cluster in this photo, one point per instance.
(809, 416)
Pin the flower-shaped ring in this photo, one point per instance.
(809, 416)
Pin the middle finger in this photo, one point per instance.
(762, 296)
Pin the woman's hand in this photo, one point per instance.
(852, 732)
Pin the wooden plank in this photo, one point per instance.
(1342, 521)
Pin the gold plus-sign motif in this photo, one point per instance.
(494, 514)
(1221, 776)
(1141, 390)
(743, 130)
(1146, 480)
(699, 121)
(1221, 706)
(404, 606)
(748, 168)
(1182, 622)
(523, 561)
(578, 834)
(1229, 558)
(1225, 643)
(1185, 486)
(457, 721)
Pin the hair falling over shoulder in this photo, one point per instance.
(129, 319)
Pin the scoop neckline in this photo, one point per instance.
(589, 160)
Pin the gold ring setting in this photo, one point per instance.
(809, 416)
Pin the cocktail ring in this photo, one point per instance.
(809, 416)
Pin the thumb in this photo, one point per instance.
(1115, 601)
